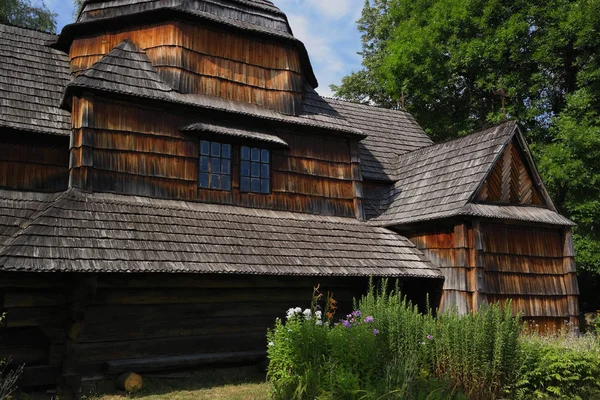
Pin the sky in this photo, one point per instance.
(327, 28)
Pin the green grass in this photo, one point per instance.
(197, 388)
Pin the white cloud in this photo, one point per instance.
(332, 8)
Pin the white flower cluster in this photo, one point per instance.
(307, 314)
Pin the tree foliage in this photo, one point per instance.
(23, 13)
(78, 6)
(452, 58)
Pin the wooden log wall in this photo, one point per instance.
(533, 266)
(204, 60)
(511, 181)
(132, 149)
(31, 161)
(69, 326)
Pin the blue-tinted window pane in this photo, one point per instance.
(256, 170)
(256, 155)
(264, 186)
(215, 165)
(226, 182)
(203, 180)
(245, 168)
(245, 153)
(264, 156)
(215, 149)
(245, 184)
(215, 181)
(264, 171)
(255, 185)
(204, 164)
(226, 151)
(204, 148)
(226, 167)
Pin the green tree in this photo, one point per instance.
(23, 13)
(78, 7)
(453, 58)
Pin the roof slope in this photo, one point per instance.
(128, 70)
(17, 208)
(83, 232)
(390, 133)
(440, 180)
(32, 79)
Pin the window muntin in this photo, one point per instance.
(215, 165)
(255, 170)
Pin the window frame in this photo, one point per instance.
(211, 163)
(260, 164)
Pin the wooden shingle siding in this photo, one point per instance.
(196, 59)
(30, 161)
(510, 181)
(529, 265)
(143, 151)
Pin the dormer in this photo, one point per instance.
(238, 50)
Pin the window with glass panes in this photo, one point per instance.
(215, 165)
(255, 172)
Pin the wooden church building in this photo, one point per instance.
(170, 183)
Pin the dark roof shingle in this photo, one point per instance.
(32, 79)
(390, 133)
(86, 232)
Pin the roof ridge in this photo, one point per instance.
(28, 29)
(372, 106)
(448, 141)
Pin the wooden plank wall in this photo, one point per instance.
(449, 249)
(510, 181)
(534, 267)
(204, 60)
(145, 315)
(31, 161)
(132, 149)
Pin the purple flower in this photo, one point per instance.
(356, 313)
(346, 323)
(429, 337)
(369, 319)
(375, 332)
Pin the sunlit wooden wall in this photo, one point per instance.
(489, 262)
(136, 149)
(205, 60)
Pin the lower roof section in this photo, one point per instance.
(98, 232)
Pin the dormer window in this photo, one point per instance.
(255, 172)
(215, 165)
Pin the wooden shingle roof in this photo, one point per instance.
(390, 133)
(439, 181)
(126, 70)
(32, 79)
(93, 232)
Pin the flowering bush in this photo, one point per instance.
(374, 352)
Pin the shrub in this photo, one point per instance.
(597, 323)
(478, 352)
(559, 367)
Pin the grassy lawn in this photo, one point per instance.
(197, 388)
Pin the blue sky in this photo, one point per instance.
(327, 28)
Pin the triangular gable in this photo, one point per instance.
(514, 179)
